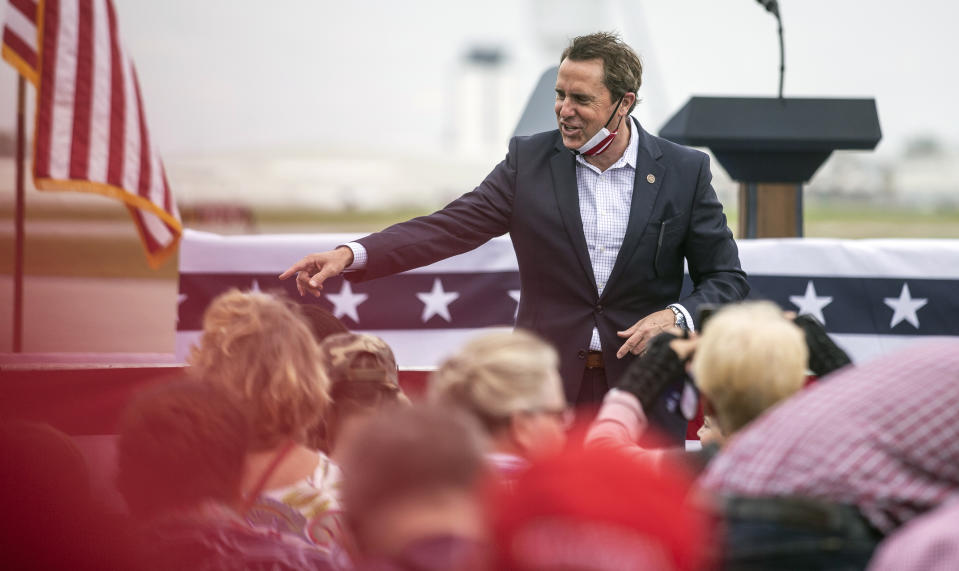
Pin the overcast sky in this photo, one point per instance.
(221, 75)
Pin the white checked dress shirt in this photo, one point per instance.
(605, 198)
(604, 201)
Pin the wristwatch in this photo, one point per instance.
(680, 318)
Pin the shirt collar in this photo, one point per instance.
(629, 155)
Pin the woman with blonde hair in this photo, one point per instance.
(509, 382)
(260, 349)
(749, 357)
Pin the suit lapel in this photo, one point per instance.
(644, 197)
(563, 167)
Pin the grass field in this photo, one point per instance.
(118, 253)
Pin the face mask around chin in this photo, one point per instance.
(598, 143)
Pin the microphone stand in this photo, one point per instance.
(772, 6)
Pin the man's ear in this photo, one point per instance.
(628, 99)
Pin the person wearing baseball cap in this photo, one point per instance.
(363, 379)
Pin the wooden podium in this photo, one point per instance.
(772, 146)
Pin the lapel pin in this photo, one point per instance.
(650, 178)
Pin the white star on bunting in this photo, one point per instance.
(904, 307)
(255, 288)
(346, 302)
(514, 293)
(811, 304)
(437, 302)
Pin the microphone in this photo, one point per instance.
(772, 6)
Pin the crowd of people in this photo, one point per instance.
(290, 444)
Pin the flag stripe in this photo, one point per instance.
(118, 104)
(145, 159)
(131, 132)
(156, 178)
(23, 27)
(156, 229)
(100, 118)
(167, 194)
(61, 132)
(27, 9)
(83, 92)
(51, 21)
(16, 44)
(143, 226)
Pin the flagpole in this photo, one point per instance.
(18, 232)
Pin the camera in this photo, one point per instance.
(703, 313)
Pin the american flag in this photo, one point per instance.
(91, 130)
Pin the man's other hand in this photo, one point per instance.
(643, 330)
(313, 270)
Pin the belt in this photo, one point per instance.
(594, 360)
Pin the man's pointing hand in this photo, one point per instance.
(313, 270)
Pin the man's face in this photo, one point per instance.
(583, 104)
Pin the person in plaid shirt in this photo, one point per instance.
(928, 543)
(817, 481)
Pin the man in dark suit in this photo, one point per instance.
(601, 215)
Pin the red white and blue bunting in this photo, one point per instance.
(873, 295)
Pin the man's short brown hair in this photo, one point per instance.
(622, 68)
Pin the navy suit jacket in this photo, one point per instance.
(532, 195)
